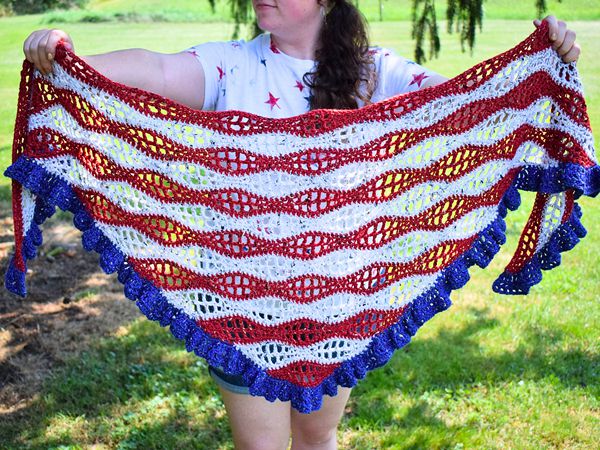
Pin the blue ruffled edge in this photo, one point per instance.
(51, 191)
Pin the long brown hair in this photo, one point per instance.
(343, 61)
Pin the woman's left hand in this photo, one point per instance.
(563, 39)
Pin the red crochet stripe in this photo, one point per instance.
(311, 203)
(305, 246)
(241, 330)
(240, 286)
(18, 148)
(304, 373)
(310, 124)
(569, 204)
(152, 143)
(530, 236)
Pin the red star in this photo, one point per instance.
(273, 101)
(418, 79)
(300, 86)
(193, 52)
(221, 73)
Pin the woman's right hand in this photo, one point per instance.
(40, 46)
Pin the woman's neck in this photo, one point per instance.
(301, 47)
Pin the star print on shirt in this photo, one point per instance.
(263, 62)
(418, 79)
(193, 52)
(273, 101)
(299, 86)
(221, 73)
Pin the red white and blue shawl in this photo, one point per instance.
(301, 252)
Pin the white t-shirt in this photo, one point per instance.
(255, 76)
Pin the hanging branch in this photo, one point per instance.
(425, 24)
(242, 13)
(464, 16)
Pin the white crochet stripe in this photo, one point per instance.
(551, 218)
(354, 216)
(206, 262)
(27, 209)
(201, 304)
(277, 144)
(322, 352)
(344, 220)
(196, 176)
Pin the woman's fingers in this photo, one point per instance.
(573, 54)
(562, 31)
(552, 27)
(563, 39)
(29, 48)
(38, 57)
(42, 51)
(40, 48)
(567, 43)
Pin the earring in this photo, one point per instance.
(323, 13)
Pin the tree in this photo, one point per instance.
(38, 6)
(464, 17)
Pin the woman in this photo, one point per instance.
(316, 56)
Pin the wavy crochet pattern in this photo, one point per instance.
(300, 253)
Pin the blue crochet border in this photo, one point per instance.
(51, 191)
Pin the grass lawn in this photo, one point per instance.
(491, 372)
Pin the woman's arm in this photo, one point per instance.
(434, 81)
(176, 76)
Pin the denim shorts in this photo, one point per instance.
(233, 383)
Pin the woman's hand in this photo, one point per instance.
(40, 46)
(563, 39)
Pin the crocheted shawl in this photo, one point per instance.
(301, 252)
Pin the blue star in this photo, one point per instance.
(263, 62)
(309, 98)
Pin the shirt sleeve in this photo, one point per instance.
(398, 74)
(215, 58)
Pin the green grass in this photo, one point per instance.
(491, 372)
(394, 10)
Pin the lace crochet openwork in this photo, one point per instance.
(301, 252)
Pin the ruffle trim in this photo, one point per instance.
(52, 191)
(584, 181)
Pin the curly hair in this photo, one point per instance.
(343, 61)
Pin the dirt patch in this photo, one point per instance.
(70, 304)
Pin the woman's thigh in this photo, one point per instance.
(317, 425)
(257, 423)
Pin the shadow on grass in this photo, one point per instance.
(143, 388)
(452, 363)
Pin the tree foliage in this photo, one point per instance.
(38, 6)
(463, 17)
